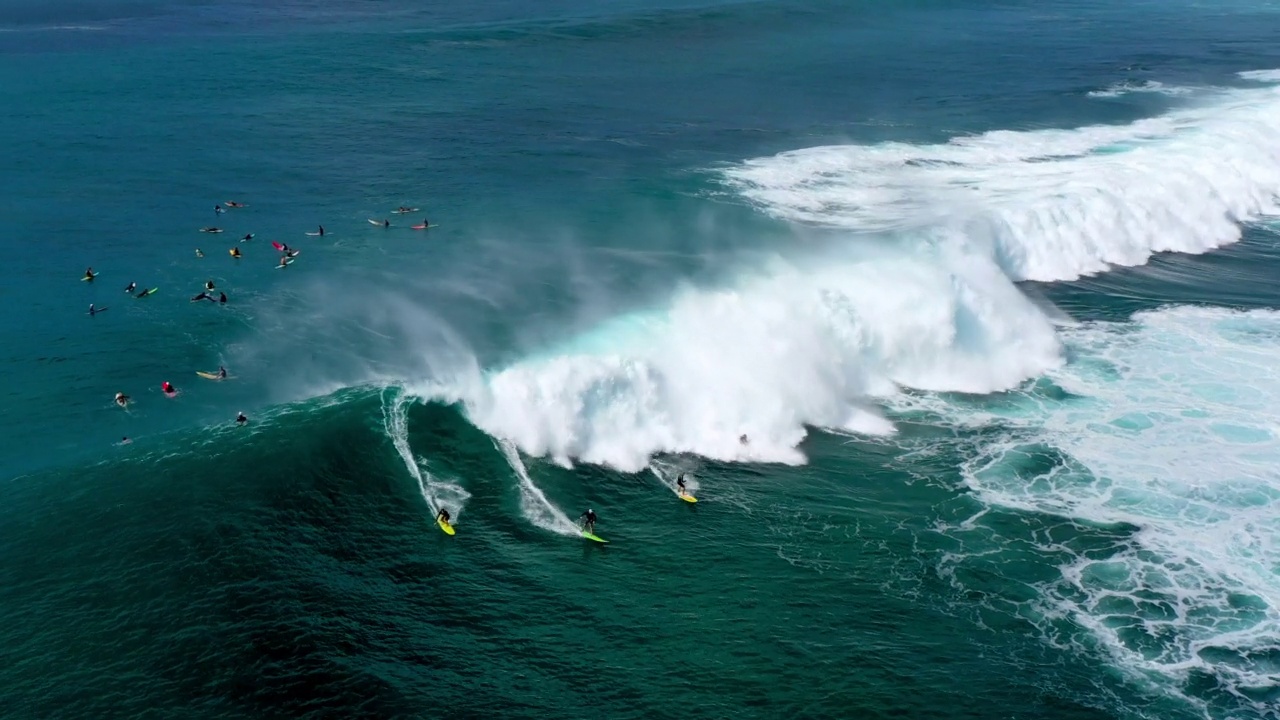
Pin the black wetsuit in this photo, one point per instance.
(444, 515)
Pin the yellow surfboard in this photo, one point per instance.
(445, 526)
(687, 498)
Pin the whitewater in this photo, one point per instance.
(901, 299)
(903, 276)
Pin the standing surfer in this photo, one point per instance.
(588, 520)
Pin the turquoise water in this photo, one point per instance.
(987, 287)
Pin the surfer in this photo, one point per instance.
(121, 399)
(742, 439)
(443, 516)
(92, 310)
(145, 293)
(131, 287)
(402, 209)
(198, 253)
(284, 248)
(125, 440)
(222, 298)
(386, 223)
(234, 204)
(588, 519)
(168, 388)
(201, 296)
(425, 224)
(208, 284)
(680, 488)
(247, 238)
(241, 419)
(235, 253)
(321, 231)
(222, 373)
(284, 260)
(89, 274)
(217, 210)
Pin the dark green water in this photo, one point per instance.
(986, 289)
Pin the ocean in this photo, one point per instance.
(960, 319)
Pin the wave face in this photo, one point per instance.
(1048, 204)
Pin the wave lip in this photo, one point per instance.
(1047, 204)
(767, 357)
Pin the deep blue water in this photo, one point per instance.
(986, 286)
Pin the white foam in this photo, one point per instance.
(1047, 204)
(437, 492)
(1261, 75)
(533, 502)
(781, 349)
(1121, 89)
(1172, 428)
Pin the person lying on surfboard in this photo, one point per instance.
(443, 516)
(589, 521)
(233, 204)
(145, 293)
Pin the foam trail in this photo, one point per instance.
(1149, 86)
(537, 508)
(1170, 427)
(667, 472)
(437, 493)
(1048, 204)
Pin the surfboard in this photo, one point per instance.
(446, 527)
(375, 222)
(149, 293)
(425, 227)
(173, 394)
(314, 234)
(687, 498)
(232, 252)
(96, 311)
(404, 212)
(597, 538)
(247, 238)
(211, 230)
(89, 278)
(288, 262)
(211, 376)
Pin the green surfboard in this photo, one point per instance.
(597, 538)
